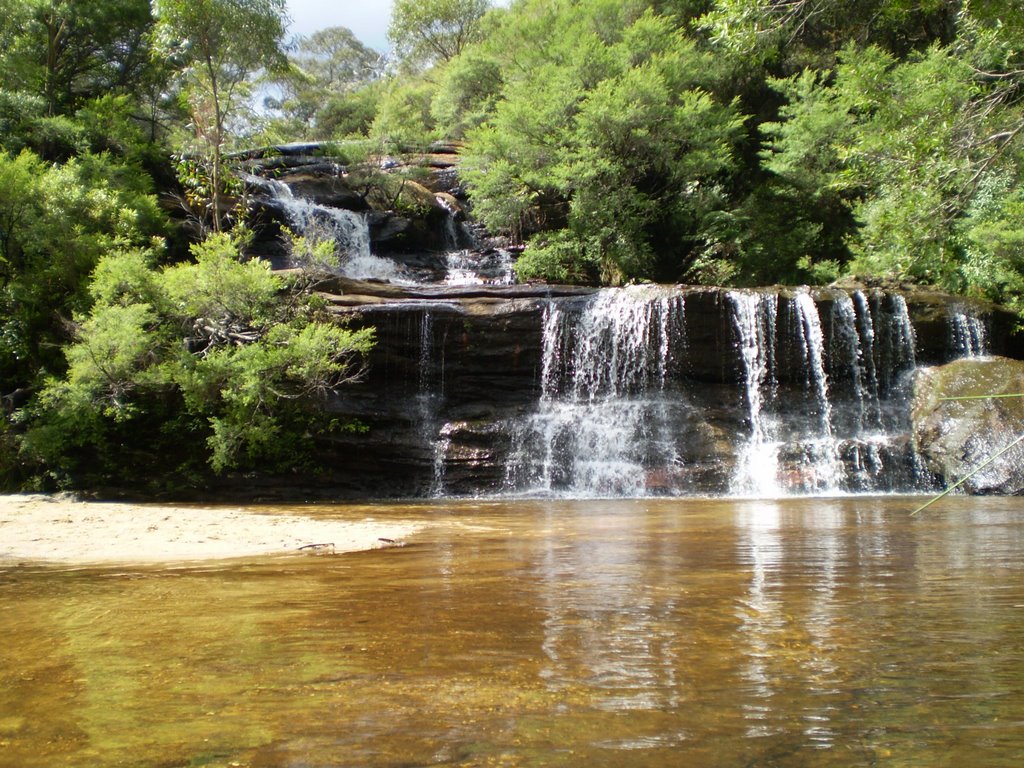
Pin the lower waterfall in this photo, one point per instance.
(821, 394)
(606, 413)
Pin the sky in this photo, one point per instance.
(368, 19)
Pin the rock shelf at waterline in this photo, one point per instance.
(648, 390)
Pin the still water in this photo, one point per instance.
(812, 632)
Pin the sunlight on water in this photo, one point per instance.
(644, 633)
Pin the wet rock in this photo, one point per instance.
(954, 437)
(326, 188)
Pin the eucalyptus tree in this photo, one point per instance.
(326, 86)
(58, 57)
(216, 47)
(603, 148)
(429, 31)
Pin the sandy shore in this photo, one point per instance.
(55, 529)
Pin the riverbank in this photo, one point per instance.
(64, 530)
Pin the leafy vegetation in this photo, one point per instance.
(137, 349)
(210, 346)
(737, 142)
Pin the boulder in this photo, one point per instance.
(955, 436)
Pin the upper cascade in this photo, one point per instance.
(417, 234)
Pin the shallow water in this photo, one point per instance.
(838, 632)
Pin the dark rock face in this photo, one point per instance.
(531, 389)
(954, 437)
(404, 217)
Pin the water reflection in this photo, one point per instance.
(834, 632)
(604, 610)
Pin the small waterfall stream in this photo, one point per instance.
(349, 231)
(755, 317)
(968, 332)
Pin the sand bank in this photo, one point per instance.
(56, 529)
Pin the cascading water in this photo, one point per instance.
(824, 439)
(349, 231)
(754, 316)
(430, 396)
(968, 332)
(820, 449)
(646, 390)
(604, 416)
(468, 267)
(618, 416)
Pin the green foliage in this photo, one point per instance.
(743, 141)
(63, 64)
(403, 121)
(798, 33)
(557, 258)
(993, 235)
(609, 138)
(213, 350)
(220, 290)
(256, 383)
(56, 221)
(468, 92)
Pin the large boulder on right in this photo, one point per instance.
(955, 436)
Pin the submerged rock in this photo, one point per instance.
(954, 437)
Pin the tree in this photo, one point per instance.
(403, 120)
(337, 60)
(602, 145)
(810, 32)
(468, 92)
(56, 222)
(428, 31)
(217, 45)
(327, 85)
(69, 52)
(216, 350)
(58, 58)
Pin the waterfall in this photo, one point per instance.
(469, 267)
(821, 449)
(430, 397)
(349, 231)
(847, 328)
(823, 397)
(968, 332)
(605, 416)
(846, 429)
(754, 317)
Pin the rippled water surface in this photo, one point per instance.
(638, 633)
